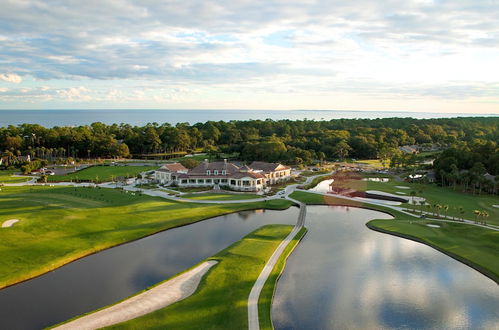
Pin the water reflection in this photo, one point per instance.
(323, 186)
(114, 274)
(345, 276)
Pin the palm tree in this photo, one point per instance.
(446, 209)
(461, 212)
(422, 203)
(485, 215)
(477, 213)
(436, 207)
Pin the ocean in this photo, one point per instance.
(51, 118)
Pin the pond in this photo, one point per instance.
(111, 275)
(345, 276)
(323, 186)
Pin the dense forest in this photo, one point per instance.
(293, 142)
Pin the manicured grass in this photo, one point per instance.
(375, 163)
(267, 294)
(61, 224)
(6, 177)
(102, 173)
(472, 245)
(192, 189)
(318, 199)
(221, 299)
(220, 197)
(316, 181)
(310, 173)
(434, 195)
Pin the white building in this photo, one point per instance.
(227, 175)
(169, 172)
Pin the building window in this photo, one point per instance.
(192, 181)
(208, 172)
(223, 172)
(184, 181)
(216, 172)
(208, 180)
(233, 182)
(224, 180)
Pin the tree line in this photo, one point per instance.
(293, 142)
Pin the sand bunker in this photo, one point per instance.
(497, 205)
(402, 187)
(9, 223)
(158, 297)
(401, 193)
(432, 225)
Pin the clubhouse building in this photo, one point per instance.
(224, 174)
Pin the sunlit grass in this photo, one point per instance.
(102, 173)
(6, 177)
(221, 299)
(60, 224)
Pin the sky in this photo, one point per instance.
(411, 55)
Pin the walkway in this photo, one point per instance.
(253, 318)
(149, 301)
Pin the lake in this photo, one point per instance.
(111, 275)
(345, 276)
(50, 118)
(342, 275)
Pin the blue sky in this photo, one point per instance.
(414, 55)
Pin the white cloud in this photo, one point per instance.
(10, 77)
(284, 49)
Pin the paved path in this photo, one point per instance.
(253, 318)
(158, 297)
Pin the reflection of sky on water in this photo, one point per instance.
(116, 273)
(345, 276)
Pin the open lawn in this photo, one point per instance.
(375, 163)
(434, 195)
(221, 299)
(220, 197)
(60, 224)
(474, 246)
(6, 177)
(102, 173)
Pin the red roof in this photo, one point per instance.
(175, 167)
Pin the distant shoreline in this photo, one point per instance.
(77, 117)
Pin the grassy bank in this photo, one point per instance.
(474, 246)
(101, 173)
(60, 224)
(220, 197)
(267, 294)
(433, 194)
(6, 177)
(316, 181)
(221, 299)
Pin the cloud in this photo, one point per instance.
(302, 46)
(11, 77)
